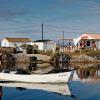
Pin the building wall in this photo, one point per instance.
(6, 43)
(45, 45)
(40, 45)
(49, 46)
(86, 44)
(98, 44)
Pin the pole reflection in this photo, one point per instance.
(1, 92)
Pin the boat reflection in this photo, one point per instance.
(62, 88)
(20, 88)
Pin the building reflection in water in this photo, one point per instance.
(89, 72)
(83, 71)
(60, 67)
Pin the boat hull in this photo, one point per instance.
(44, 78)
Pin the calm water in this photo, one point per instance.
(87, 90)
(79, 91)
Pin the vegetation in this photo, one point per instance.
(9, 60)
(7, 49)
(60, 57)
(30, 49)
(49, 52)
(89, 52)
(93, 53)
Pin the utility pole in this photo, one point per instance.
(63, 41)
(42, 31)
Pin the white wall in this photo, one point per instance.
(45, 46)
(6, 43)
(49, 46)
(98, 44)
(40, 45)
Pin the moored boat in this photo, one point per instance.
(37, 78)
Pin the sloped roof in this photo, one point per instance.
(18, 39)
(96, 36)
(90, 36)
(46, 40)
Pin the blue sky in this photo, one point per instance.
(23, 18)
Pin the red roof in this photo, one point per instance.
(90, 36)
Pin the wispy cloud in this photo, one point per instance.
(71, 16)
(8, 13)
(94, 7)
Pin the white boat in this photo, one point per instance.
(36, 78)
(75, 76)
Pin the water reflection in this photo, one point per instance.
(62, 88)
(20, 88)
(24, 66)
(89, 72)
(84, 71)
(60, 67)
(74, 90)
(1, 90)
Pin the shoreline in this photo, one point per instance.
(51, 62)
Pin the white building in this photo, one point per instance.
(15, 42)
(84, 41)
(45, 45)
(88, 41)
